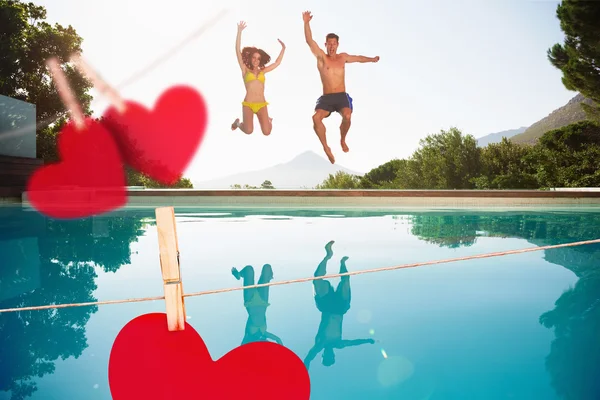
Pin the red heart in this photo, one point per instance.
(149, 362)
(88, 180)
(162, 142)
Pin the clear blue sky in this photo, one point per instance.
(477, 65)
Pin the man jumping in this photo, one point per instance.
(331, 67)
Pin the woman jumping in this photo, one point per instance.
(252, 62)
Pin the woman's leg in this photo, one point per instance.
(265, 121)
(247, 274)
(247, 126)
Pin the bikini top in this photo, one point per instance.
(251, 77)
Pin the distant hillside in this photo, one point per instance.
(497, 137)
(306, 170)
(563, 116)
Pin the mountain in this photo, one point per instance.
(306, 170)
(497, 137)
(565, 115)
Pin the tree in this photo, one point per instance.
(26, 42)
(135, 178)
(46, 140)
(267, 185)
(47, 150)
(579, 57)
(341, 180)
(564, 157)
(504, 166)
(568, 156)
(383, 176)
(446, 160)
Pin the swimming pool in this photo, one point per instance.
(520, 326)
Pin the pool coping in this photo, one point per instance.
(369, 198)
(364, 193)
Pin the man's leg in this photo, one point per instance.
(321, 286)
(343, 289)
(319, 128)
(265, 277)
(345, 109)
(345, 126)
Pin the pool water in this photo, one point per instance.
(523, 326)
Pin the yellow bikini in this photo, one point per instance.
(257, 322)
(255, 107)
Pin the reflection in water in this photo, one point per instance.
(574, 359)
(20, 267)
(332, 304)
(256, 301)
(63, 271)
(46, 261)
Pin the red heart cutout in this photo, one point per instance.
(88, 180)
(149, 362)
(161, 143)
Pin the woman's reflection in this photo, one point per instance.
(332, 305)
(256, 301)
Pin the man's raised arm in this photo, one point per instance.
(314, 47)
(360, 59)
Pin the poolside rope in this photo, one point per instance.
(312, 278)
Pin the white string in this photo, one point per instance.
(312, 278)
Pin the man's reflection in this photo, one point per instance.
(256, 301)
(332, 304)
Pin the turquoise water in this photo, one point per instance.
(521, 326)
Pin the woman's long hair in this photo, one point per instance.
(247, 53)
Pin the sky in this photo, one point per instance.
(477, 65)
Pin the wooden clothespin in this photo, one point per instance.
(99, 83)
(169, 264)
(65, 92)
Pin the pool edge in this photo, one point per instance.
(340, 199)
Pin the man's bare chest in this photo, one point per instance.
(333, 67)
